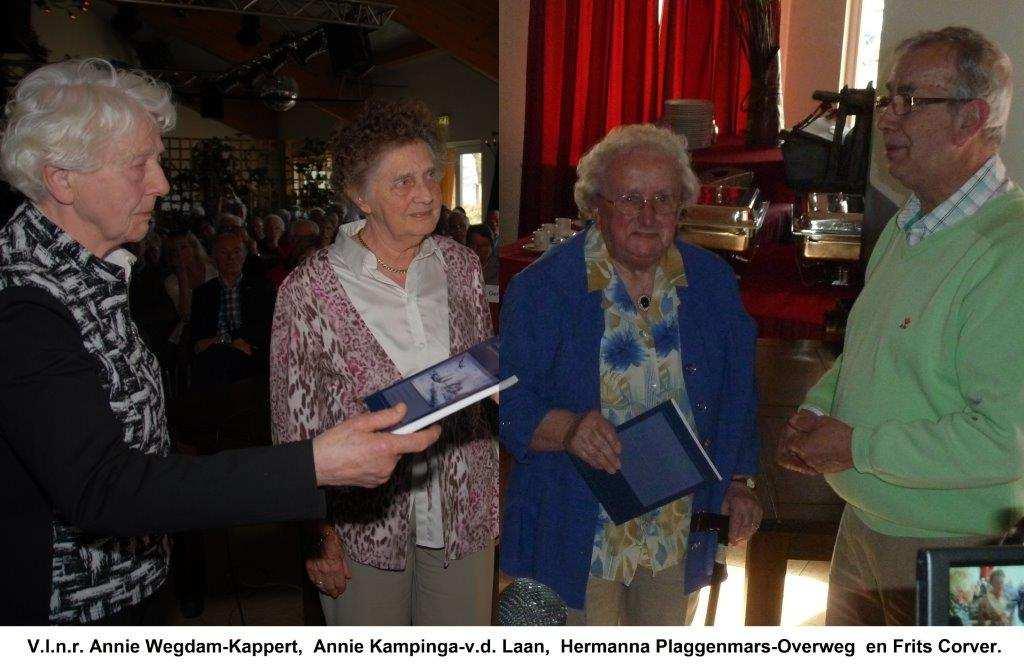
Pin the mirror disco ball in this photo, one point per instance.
(527, 602)
(278, 92)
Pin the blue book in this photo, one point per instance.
(662, 460)
(442, 389)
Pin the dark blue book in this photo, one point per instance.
(662, 460)
(442, 389)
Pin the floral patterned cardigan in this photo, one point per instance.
(324, 359)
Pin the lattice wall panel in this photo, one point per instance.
(247, 156)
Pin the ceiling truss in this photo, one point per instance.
(345, 12)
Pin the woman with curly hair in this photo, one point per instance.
(387, 299)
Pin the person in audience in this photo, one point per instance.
(328, 230)
(493, 222)
(317, 215)
(228, 221)
(275, 231)
(190, 268)
(258, 231)
(652, 319)
(88, 484)
(387, 300)
(303, 239)
(481, 240)
(917, 424)
(458, 226)
(151, 307)
(232, 206)
(441, 228)
(207, 231)
(230, 318)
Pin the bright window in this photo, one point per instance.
(469, 186)
(864, 26)
(868, 43)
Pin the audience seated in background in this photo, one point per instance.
(329, 229)
(493, 222)
(317, 215)
(302, 240)
(458, 225)
(232, 205)
(151, 306)
(480, 239)
(274, 230)
(258, 231)
(189, 267)
(230, 319)
(442, 221)
(206, 233)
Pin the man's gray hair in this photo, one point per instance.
(983, 71)
(593, 168)
(68, 114)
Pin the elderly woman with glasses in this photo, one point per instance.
(385, 300)
(602, 328)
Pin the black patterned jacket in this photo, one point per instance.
(86, 488)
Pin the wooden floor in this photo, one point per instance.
(267, 569)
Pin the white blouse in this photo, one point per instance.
(411, 325)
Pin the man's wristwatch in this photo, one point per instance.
(225, 339)
(746, 480)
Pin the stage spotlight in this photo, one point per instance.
(310, 47)
(249, 35)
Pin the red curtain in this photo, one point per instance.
(701, 56)
(591, 65)
(596, 64)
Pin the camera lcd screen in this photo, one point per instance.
(971, 586)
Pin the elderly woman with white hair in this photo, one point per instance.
(88, 486)
(652, 319)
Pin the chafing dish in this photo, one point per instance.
(725, 218)
(827, 230)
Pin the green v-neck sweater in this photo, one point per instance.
(932, 379)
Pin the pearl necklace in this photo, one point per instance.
(359, 238)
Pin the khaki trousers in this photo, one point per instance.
(649, 600)
(873, 576)
(424, 594)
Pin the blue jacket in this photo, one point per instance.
(551, 330)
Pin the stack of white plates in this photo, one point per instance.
(694, 119)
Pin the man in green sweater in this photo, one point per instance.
(919, 425)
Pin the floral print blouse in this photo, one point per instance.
(640, 368)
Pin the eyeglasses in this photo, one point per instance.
(902, 104)
(631, 204)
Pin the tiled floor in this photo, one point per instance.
(802, 605)
(269, 571)
(269, 592)
(265, 564)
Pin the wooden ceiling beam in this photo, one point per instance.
(468, 29)
(400, 55)
(257, 122)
